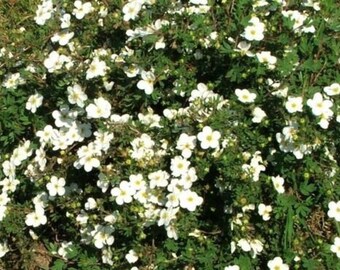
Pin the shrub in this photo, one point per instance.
(169, 134)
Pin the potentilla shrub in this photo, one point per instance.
(169, 134)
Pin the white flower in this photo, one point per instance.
(40, 158)
(4, 199)
(259, 3)
(132, 71)
(44, 12)
(132, 256)
(34, 102)
(169, 113)
(31, 68)
(13, 80)
(82, 218)
(55, 61)
(281, 92)
(245, 96)
(103, 183)
(36, 218)
(103, 139)
(63, 118)
(248, 207)
(297, 17)
(199, 2)
(137, 182)
(171, 232)
(172, 200)
(179, 166)
(3, 249)
(209, 138)
(21, 153)
(142, 195)
(166, 215)
(265, 57)
(319, 105)
(160, 44)
(147, 82)
(62, 38)
(51, 61)
(41, 200)
(278, 182)
(255, 30)
(308, 29)
(96, 68)
(277, 264)
(65, 247)
(294, 104)
(256, 166)
(110, 218)
(312, 3)
(8, 168)
(65, 21)
(107, 257)
(258, 114)
(334, 210)
(108, 85)
(100, 108)
(256, 247)
(90, 204)
(324, 119)
(103, 11)
(87, 157)
(189, 200)
(131, 10)
(8, 185)
(188, 178)
(243, 48)
(81, 9)
(202, 92)
(120, 119)
(102, 236)
(142, 147)
(124, 193)
(333, 89)
(89, 162)
(2, 212)
(186, 144)
(150, 118)
(158, 179)
(76, 95)
(174, 187)
(56, 186)
(264, 211)
(336, 247)
(232, 267)
(244, 245)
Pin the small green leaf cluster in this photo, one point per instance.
(146, 134)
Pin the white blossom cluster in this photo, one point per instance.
(85, 130)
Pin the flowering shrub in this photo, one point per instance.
(163, 134)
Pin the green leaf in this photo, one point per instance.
(302, 210)
(59, 265)
(244, 263)
(171, 245)
(72, 252)
(306, 188)
(289, 229)
(311, 264)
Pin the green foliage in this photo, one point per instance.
(194, 58)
